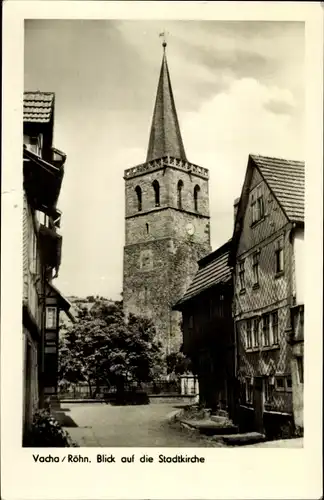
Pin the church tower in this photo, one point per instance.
(166, 222)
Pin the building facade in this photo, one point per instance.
(268, 225)
(43, 168)
(166, 222)
(208, 330)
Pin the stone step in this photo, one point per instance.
(219, 420)
(210, 428)
(237, 439)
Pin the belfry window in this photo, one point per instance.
(139, 198)
(156, 187)
(196, 197)
(180, 186)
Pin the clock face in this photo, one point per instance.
(190, 229)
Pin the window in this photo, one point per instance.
(255, 267)
(242, 275)
(139, 198)
(280, 384)
(300, 369)
(279, 256)
(180, 186)
(147, 228)
(196, 196)
(289, 383)
(256, 332)
(248, 334)
(51, 317)
(249, 390)
(260, 204)
(35, 145)
(190, 321)
(50, 337)
(275, 335)
(268, 390)
(301, 316)
(33, 257)
(156, 187)
(257, 206)
(266, 330)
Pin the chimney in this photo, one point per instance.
(236, 204)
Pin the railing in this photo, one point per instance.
(80, 391)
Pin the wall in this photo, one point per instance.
(208, 340)
(168, 179)
(273, 292)
(30, 378)
(153, 286)
(299, 249)
(298, 387)
(31, 264)
(160, 256)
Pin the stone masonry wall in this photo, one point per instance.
(156, 275)
(160, 255)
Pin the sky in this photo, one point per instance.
(238, 89)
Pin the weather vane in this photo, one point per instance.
(164, 36)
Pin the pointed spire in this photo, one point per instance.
(165, 137)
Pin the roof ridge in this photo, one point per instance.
(278, 158)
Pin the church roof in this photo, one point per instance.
(165, 136)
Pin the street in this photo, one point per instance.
(105, 425)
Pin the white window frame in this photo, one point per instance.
(279, 256)
(50, 325)
(255, 267)
(256, 331)
(267, 315)
(248, 331)
(248, 390)
(241, 274)
(272, 329)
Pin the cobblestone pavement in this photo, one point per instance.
(139, 426)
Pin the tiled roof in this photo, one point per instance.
(213, 270)
(286, 178)
(38, 106)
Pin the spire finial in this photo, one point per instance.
(164, 44)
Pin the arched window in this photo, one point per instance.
(156, 187)
(180, 186)
(196, 196)
(139, 198)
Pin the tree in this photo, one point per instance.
(178, 363)
(104, 348)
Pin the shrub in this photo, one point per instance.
(46, 432)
